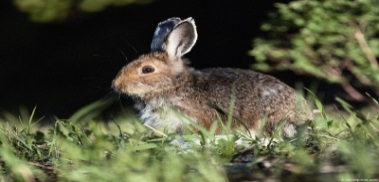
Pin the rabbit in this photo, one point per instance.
(163, 85)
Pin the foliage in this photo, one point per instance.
(333, 40)
(340, 147)
(92, 150)
(51, 10)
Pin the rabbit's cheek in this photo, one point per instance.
(133, 88)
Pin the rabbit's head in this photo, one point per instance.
(162, 70)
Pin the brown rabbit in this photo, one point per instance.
(163, 86)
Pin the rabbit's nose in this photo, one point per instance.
(116, 86)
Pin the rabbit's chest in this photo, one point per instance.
(161, 115)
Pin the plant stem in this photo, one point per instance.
(366, 48)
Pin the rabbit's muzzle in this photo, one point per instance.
(116, 87)
(117, 83)
(121, 86)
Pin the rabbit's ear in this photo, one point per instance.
(181, 39)
(161, 32)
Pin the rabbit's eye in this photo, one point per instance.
(147, 69)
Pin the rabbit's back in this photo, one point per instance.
(255, 96)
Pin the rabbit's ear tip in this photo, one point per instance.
(169, 20)
(189, 19)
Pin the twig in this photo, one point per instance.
(352, 92)
(366, 48)
(155, 130)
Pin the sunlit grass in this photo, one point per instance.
(343, 145)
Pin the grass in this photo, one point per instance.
(343, 146)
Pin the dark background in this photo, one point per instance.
(62, 66)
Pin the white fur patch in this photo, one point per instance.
(268, 91)
(289, 130)
(160, 114)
